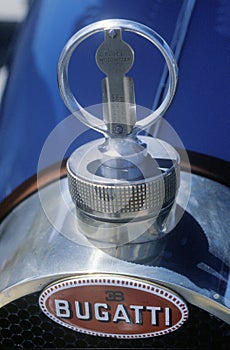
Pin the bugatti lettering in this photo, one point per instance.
(116, 306)
(100, 312)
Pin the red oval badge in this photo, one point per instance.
(114, 306)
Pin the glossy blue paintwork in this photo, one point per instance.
(32, 106)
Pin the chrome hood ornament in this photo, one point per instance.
(127, 176)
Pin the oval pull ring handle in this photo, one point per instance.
(125, 25)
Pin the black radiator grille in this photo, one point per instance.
(23, 325)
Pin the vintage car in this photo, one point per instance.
(115, 227)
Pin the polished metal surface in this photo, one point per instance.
(115, 58)
(123, 177)
(195, 261)
(114, 24)
(129, 179)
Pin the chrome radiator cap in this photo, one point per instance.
(127, 176)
